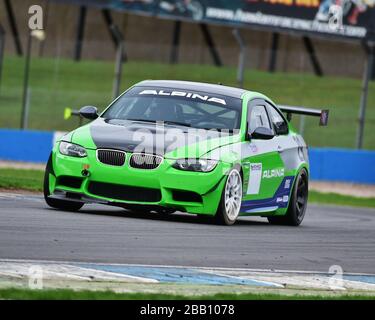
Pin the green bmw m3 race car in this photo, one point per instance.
(200, 148)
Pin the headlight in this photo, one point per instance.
(71, 149)
(200, 165)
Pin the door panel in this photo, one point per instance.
(263, 169)
(263, 174)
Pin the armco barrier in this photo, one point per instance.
(343, 165)
(25, 145)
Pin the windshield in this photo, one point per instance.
(177, 107)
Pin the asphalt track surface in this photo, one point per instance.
(328, 236)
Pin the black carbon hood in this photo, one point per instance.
(136, 136)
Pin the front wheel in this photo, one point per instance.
(298, 203)
(230, 203)
(57, 203)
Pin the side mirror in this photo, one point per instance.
(281, 128)
(89, 112)
(262, 133)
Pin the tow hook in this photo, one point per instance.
(85, 173)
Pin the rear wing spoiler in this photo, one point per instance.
(322, 114)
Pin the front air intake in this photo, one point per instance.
(145, 161)
(186, 196)
(125, 193)
(70, 182)
(111, 157)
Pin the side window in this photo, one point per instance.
(259, 118)
(278, 122)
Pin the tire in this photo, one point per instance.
(231, 198)
(297, 205)
(56, 203)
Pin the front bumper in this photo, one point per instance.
(165, 186)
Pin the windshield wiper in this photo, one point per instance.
(177, 123)
(166, 122)
(141, 120)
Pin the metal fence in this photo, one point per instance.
(56, 82)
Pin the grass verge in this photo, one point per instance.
(32, 180)
(59, 83)
(339, 199)
(66, 294)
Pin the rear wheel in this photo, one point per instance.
(297, 204)
(57, 203)
(230, 203)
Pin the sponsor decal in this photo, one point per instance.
(279, 200)
(287, 184)
(256, 167)
(253, 147)
(190, 95)
(255, 178)
(274, 173)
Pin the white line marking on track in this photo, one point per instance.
(277, 278)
